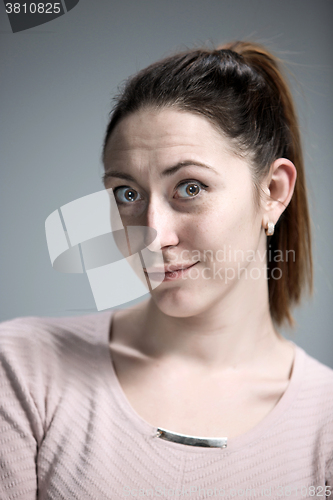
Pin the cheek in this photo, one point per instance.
(213, 225)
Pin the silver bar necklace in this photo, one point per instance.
(208, 442)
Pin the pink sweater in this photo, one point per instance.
(68, 432)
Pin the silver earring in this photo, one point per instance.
(270, 228)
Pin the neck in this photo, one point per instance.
(234, 332)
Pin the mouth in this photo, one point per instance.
(170, 273)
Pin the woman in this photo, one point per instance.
(193, 392)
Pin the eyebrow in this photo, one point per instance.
(166, 173)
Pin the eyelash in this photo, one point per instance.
(183, 183)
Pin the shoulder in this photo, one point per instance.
(32, 332)
(314, 400)
(318, 376)
(46, 360)
(38, 352)
(25, 337)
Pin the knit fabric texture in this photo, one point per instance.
(68, 432)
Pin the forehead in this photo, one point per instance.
(155, 132)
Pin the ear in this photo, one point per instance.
(279, 188)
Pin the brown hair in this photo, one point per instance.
(240, 89)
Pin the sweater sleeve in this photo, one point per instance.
(21, 427)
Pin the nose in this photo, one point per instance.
(160, 216)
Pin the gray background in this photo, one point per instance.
(56, 84)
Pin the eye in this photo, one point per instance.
(125, 194)
(189, 189)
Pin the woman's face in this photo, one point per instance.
(173, 171)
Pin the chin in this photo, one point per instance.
(178, 303)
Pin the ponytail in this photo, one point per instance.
(293, 232)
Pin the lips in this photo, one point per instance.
(169, 268)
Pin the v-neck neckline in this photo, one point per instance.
(233, 444)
